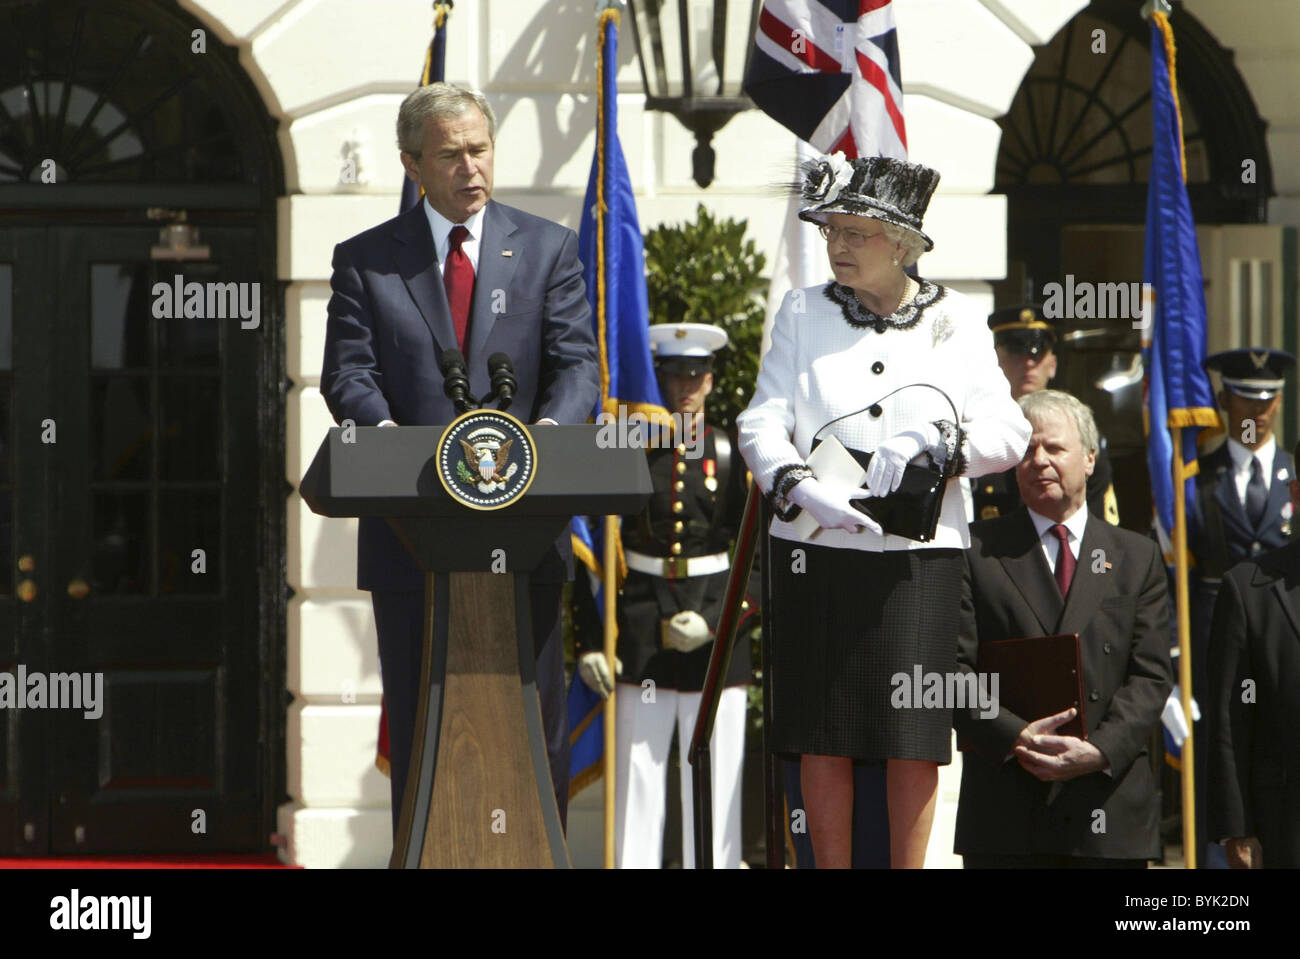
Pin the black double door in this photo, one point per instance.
(128, 518)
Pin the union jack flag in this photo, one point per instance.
(828, 70)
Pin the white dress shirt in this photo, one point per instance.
(1074, 524)
(819, 367)
(441, 228)
(1241, 457)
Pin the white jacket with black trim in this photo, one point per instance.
(820, 367)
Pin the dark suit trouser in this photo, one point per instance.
(399, 621)
(1047, 861)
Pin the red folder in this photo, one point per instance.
(1037, 676)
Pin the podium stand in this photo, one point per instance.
(479, 792)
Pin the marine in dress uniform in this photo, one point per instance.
(1025, 343)
(1254, 756)
(670, 603)
(1242, 507)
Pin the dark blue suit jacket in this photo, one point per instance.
(1253, 756)
(1242, 540)
(389, 323)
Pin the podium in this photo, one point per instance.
(479, 792)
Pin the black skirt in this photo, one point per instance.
(844, 628)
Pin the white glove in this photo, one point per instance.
(830, 505)
(885, 471)
(687, 632)
(594, 671)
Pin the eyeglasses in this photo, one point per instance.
(852, 238)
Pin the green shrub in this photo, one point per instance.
(707, 272)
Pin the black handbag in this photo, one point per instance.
(913, 509)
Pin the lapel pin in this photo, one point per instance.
(507, 252)
(1282, 474)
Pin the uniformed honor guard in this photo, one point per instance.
(1242, 506)
(1254, 757)
(677, 560)
(1025, 342)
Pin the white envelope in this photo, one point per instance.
(835, 466)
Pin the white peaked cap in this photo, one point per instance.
(686, 339)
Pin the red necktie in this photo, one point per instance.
(458, 278)
(1064, 559)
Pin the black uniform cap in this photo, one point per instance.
(1022, 329)
(1256, 373)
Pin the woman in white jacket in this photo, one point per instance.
(857, 610)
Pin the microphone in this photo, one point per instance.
(504, 383)
(455, 383)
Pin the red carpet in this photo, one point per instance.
(246, 861)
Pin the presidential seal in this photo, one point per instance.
(486, 459)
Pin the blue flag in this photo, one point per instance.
(1177, 396)
(613, 257)
(435, 67)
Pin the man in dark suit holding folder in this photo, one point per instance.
(1030, 795)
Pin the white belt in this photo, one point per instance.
(676, 567)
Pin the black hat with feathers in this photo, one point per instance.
(883, 188)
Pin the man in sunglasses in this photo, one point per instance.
(1025, 343)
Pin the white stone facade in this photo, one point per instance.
(332, 72)
(1264, 37)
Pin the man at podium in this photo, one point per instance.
(458, 271)
(1032, 795)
